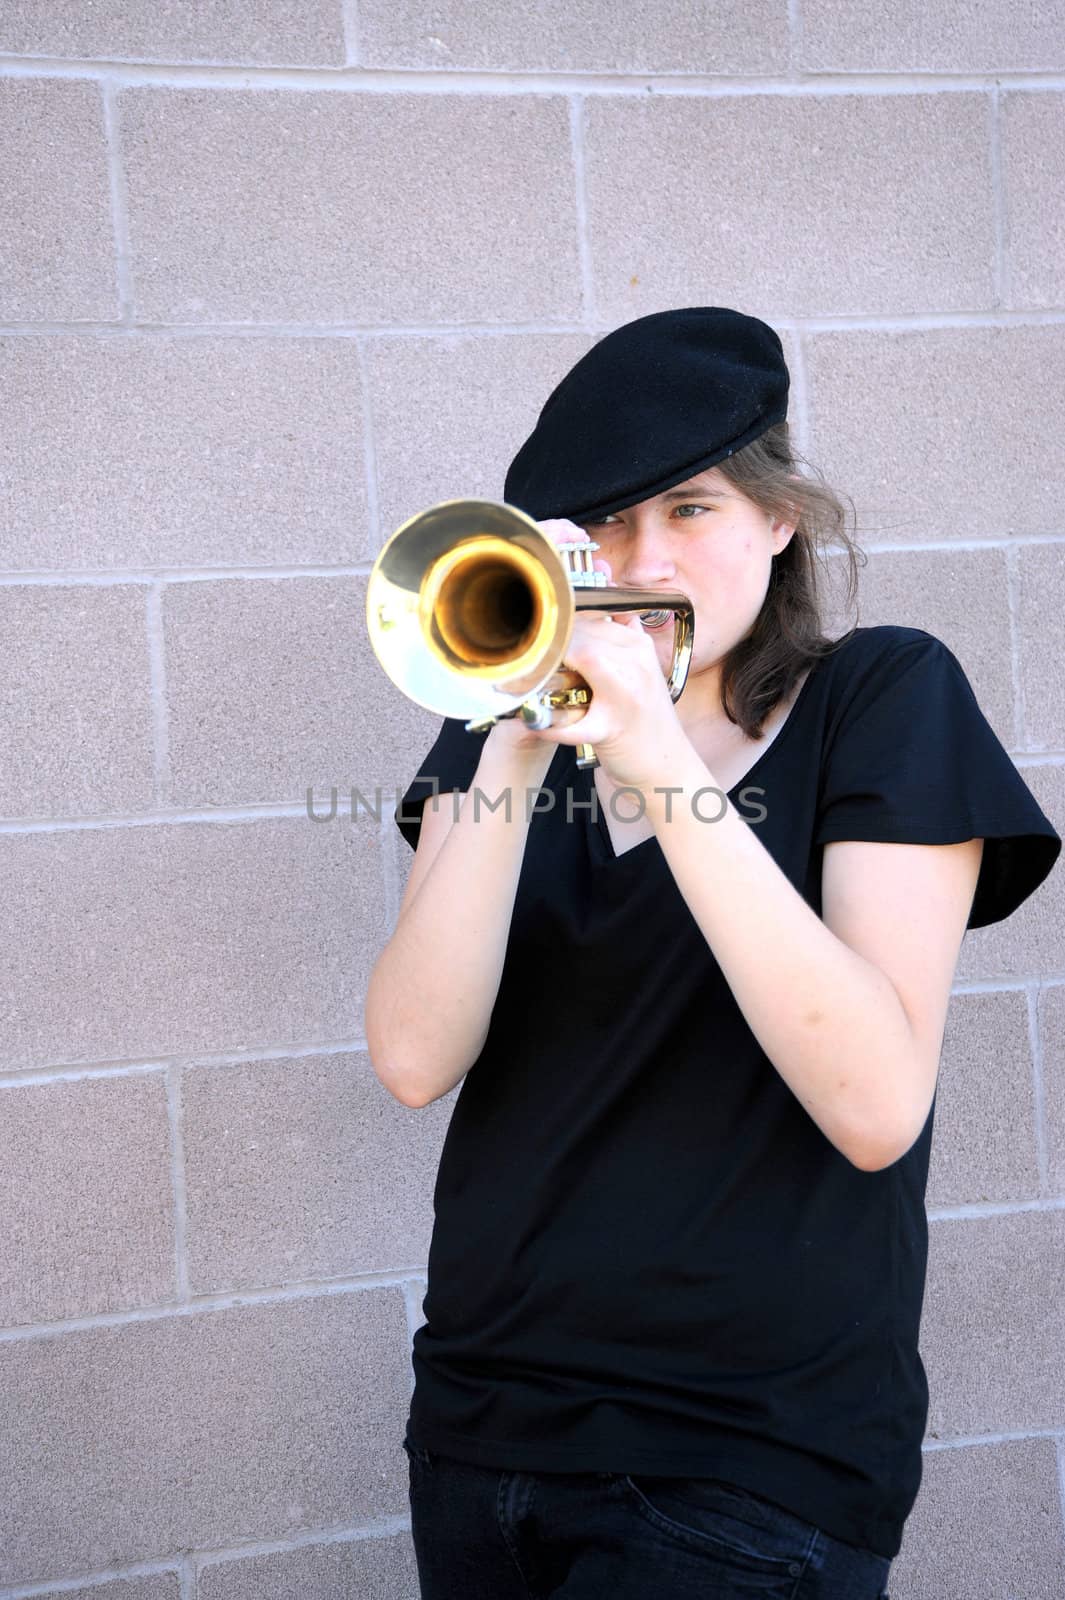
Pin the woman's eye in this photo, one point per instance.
(612, 521)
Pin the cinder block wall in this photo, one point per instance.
(272, 278)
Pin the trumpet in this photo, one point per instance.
(470, 607)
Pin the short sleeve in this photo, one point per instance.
(911, 758)
(450, 764)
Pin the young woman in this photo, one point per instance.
(696, 998)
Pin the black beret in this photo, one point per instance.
(650, 405)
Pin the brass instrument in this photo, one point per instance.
(470, 607)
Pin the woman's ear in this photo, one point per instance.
(780, 533)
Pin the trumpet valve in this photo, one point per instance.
(577, 560)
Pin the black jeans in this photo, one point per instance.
(483, 1534)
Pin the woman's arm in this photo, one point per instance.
(432, 989)
(849, 1009)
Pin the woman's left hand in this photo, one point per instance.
(631, 722)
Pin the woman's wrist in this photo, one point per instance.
(517, 767)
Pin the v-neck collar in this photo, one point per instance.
(585, 777)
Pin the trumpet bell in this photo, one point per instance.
(485, 607)
(469, 608)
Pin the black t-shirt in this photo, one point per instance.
(646, 1256)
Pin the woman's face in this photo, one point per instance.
(706, 539)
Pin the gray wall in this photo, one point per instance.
(273, 277)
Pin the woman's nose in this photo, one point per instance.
(646, 561)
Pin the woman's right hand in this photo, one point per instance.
(512, 737)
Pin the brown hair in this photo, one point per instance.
(788, 635)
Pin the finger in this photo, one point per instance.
(587, 729)
(563, 532)
(624, 621)
(563, 718)
(590, 629)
